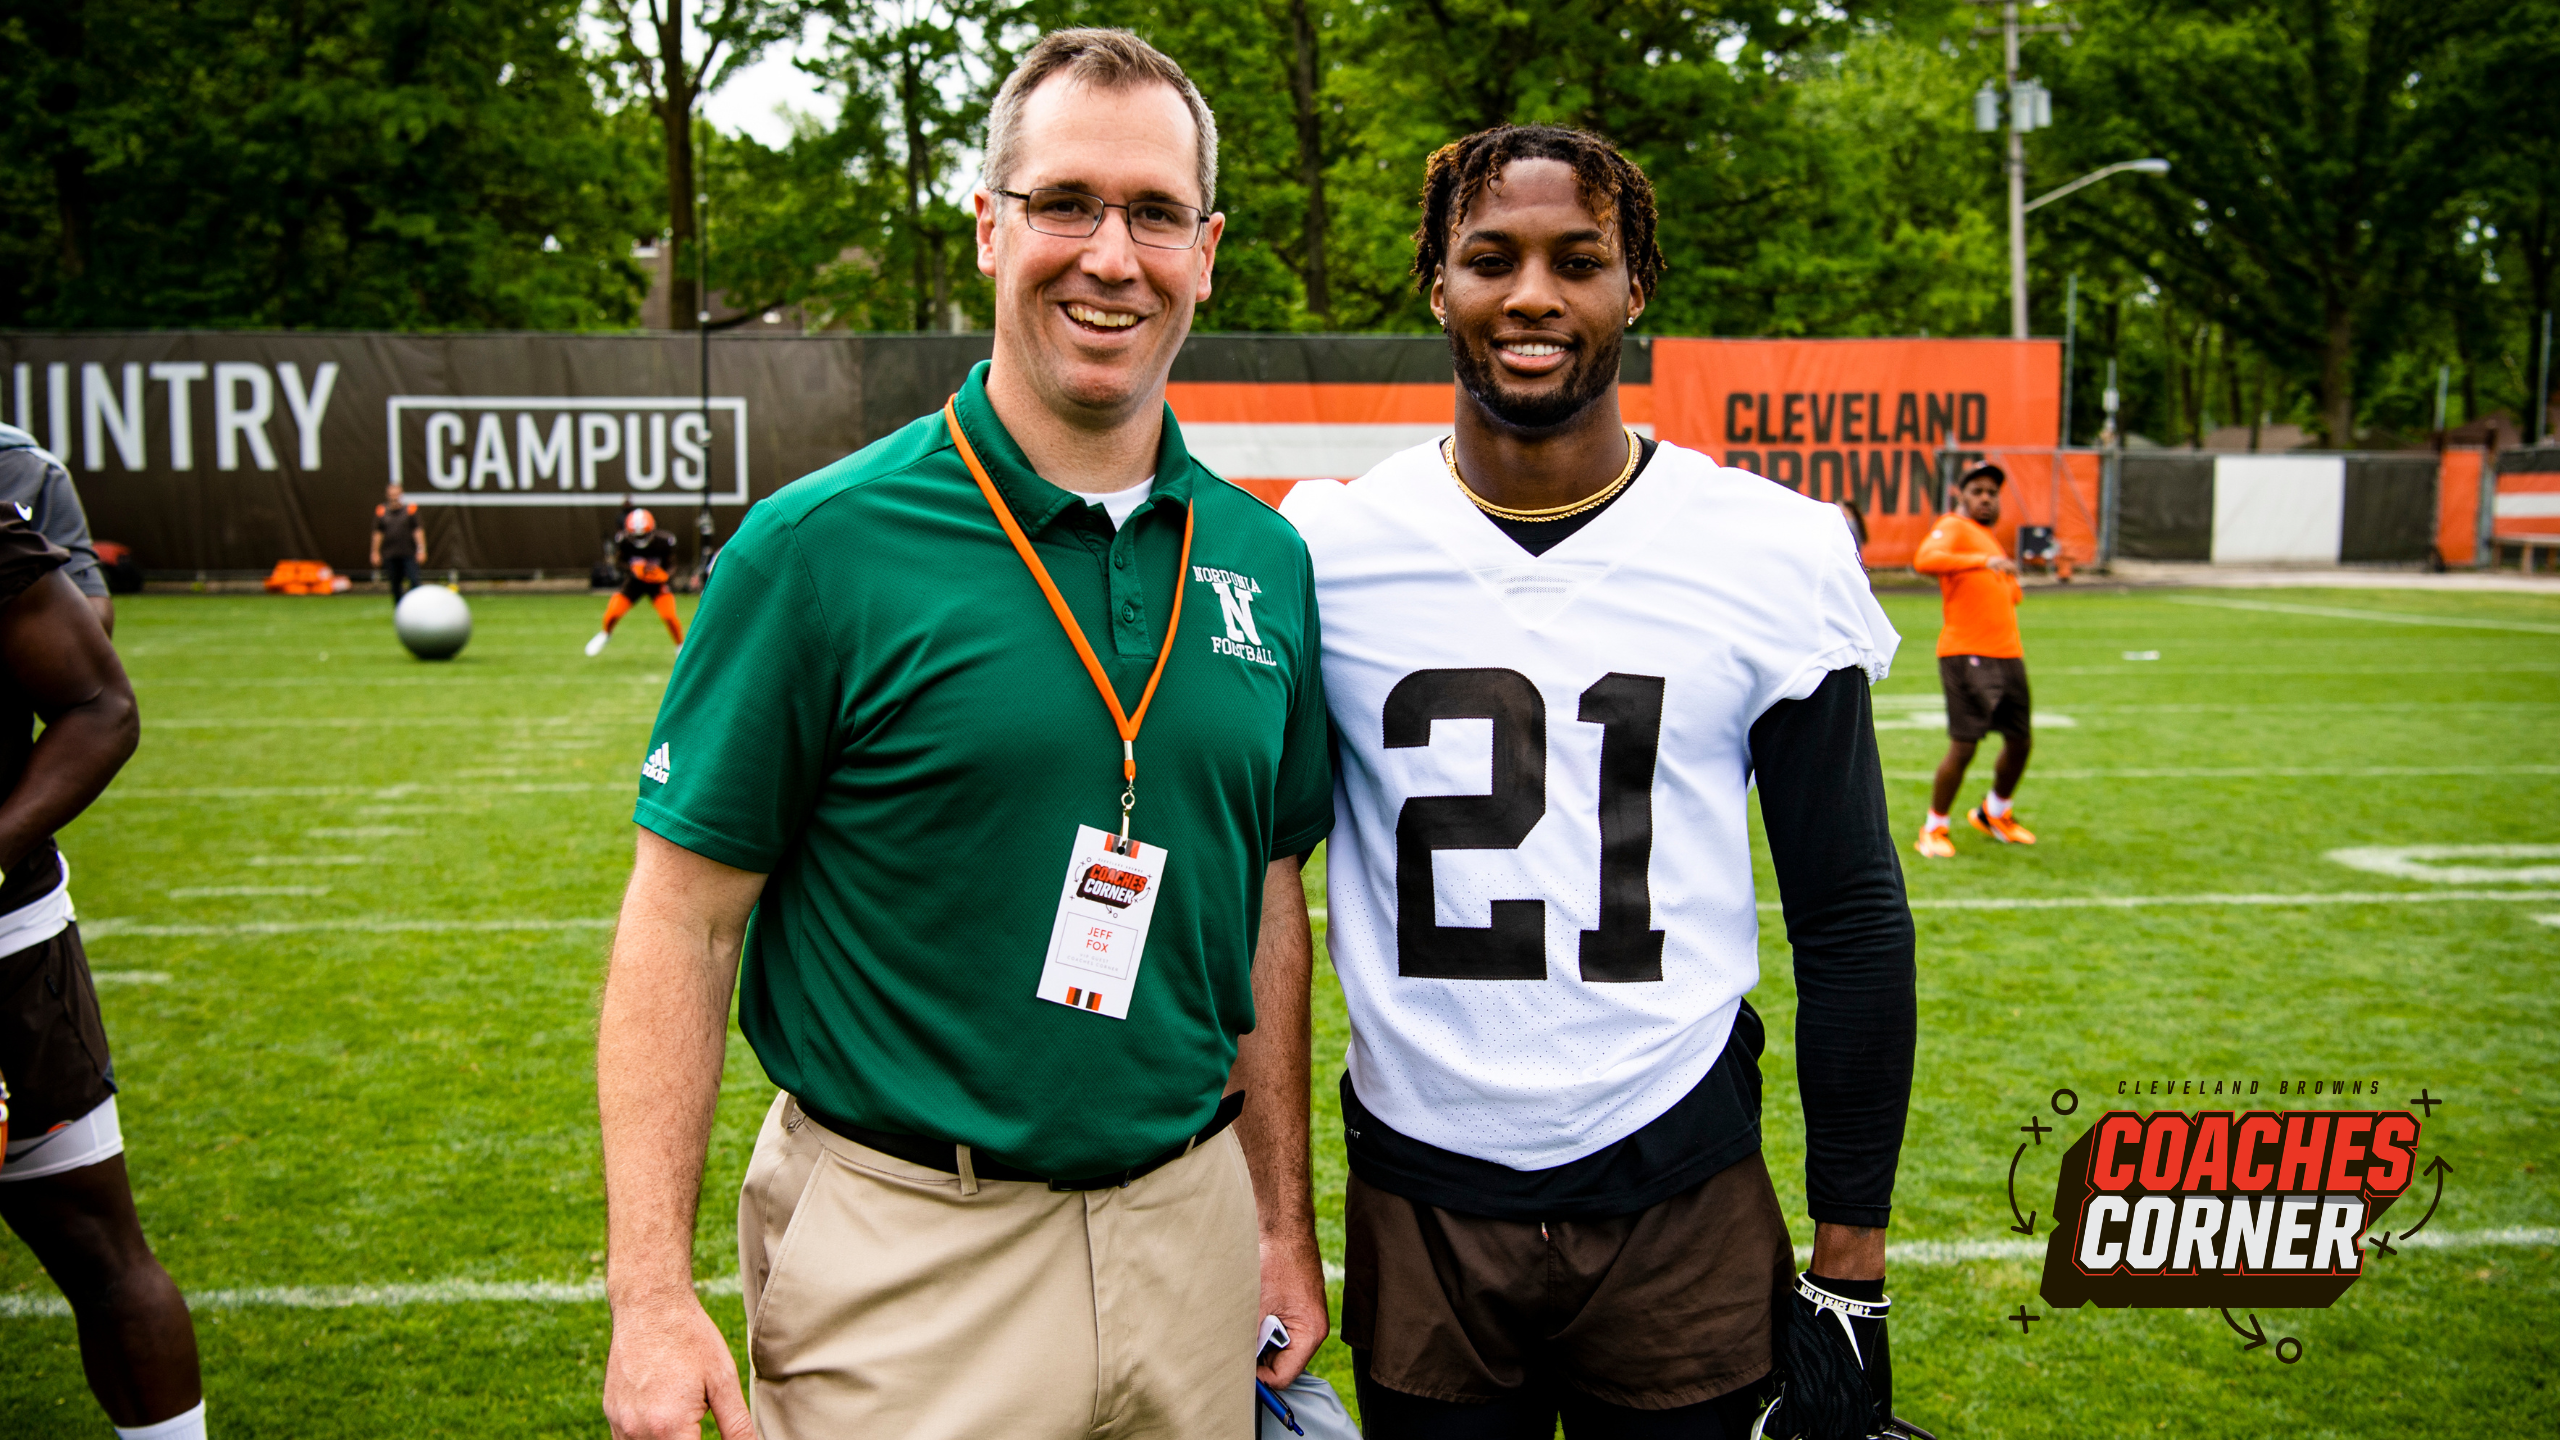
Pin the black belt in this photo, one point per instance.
(944, 1155)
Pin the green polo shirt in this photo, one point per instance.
(876, 707)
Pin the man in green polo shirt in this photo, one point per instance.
(993, 758)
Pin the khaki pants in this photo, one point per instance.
(882, 1301)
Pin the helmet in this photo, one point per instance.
(640, 522)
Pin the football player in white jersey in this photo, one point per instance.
(1557, 655)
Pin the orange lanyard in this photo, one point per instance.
(1126, 722)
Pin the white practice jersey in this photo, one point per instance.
(1540, 869)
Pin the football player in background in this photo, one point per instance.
(1982, 663)
(1543, 913)
(647, 554)
(63, 1186)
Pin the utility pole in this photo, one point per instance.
(2542, 391)
(2110, 474)
(2030, 108)
(2070, 343)
(2017, 176)
(702, 264)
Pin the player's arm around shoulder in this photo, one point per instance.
(659, 1045)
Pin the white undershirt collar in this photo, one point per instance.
(1118, 504)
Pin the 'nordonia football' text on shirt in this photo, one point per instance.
(1540, 880)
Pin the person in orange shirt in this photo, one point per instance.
(1982, 665)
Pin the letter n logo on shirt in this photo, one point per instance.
(1236, 604)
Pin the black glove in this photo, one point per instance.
(1838, 1368)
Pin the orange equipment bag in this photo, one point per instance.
(305, 577)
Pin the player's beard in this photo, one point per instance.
(1595, 369)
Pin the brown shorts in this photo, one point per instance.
(53, 1045)
(1651, 1311)
(1985, 693)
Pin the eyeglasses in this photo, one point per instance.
(1074, 215)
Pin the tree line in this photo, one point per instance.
(2362, 211)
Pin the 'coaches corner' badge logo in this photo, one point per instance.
(2194, 1210)
(1235, 606)
(1111, 886)
(2224, 1209)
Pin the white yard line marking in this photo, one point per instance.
(370, 792)
(288, 862)
(1934, 717)
(344, 722)
(227, 892)
(1959, 1252)
(2257, 772)
(362, 832)
(440, 682)
(2172, 669)
(2392, 617)
(591, 1292)
(352, 1297)
(130, 977)
(120, 926)
(2141, 902)
(2319, 707)
(2412, 862)
(2145, 902)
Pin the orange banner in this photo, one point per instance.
(1877, 423)
(2458, 505)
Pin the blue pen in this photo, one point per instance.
(1277, 1406)
(1275, 1338)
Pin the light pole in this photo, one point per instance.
(2030, 108)
(2121, 167)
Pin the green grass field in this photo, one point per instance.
(350, 915)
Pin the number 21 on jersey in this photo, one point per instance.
(1628, 708)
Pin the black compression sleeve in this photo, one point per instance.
(1840, 878)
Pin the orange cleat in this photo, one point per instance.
(2003, 828)
(1936, 844)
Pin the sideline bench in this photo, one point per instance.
(2526, 543)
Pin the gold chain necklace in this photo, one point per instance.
(1449, 457)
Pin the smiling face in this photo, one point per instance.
(1981, 500)
(1535, 297)
(1091, 325)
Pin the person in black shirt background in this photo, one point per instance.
(399, 542)
(648, 556)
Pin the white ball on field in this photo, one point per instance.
(433, 622)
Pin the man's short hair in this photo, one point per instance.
(1993, 473)
(1106, 60)
(1611, 185)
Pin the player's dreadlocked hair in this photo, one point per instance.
(1611, 185)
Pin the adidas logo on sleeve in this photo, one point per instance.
(655, 767)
